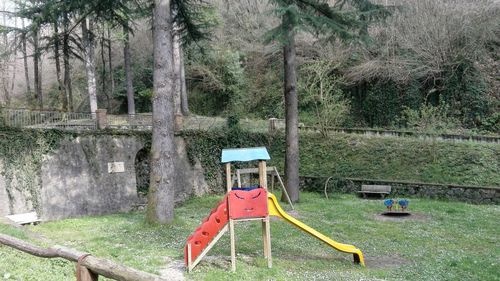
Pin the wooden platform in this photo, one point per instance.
(27, 218)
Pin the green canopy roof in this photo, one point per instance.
(244, 154)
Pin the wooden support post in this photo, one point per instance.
(190, 258)
(238, 177)
(229, 185)
(272, 182)
(264, 238)
(267, 226)
(262, 174)
(229, 181)
(83, 274)
(233, 245)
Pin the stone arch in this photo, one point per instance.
(142, 170)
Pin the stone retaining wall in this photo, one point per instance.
(92, 175)
(470, 194)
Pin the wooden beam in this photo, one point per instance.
(269, 170)
(100, 266)
(249, 219)
(283, 188)
(206, 250)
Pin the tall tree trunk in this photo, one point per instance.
(163, 152)
(89, 57)
(25, 62)
(128, 72)
(184, 96)
(176, 45)
(103, 72)
(291, 112)
(14, 70)
(5, 63)
(62, 92)
(36, 67)
(67, 68)
(110, 59)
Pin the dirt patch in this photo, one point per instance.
(174, 271)
(220, 262)
(388, 261)
(411, 217)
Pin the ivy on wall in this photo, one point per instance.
(355, 156)
(207, 147)
(22, 152)
(342, 155)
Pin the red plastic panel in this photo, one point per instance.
(248, 204)
(209, 228)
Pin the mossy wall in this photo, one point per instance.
(24, 152)
(60, 174)
(21, 155)
(356, 156)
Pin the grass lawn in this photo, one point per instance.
(450, 241)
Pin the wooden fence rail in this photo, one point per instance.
(88, 266)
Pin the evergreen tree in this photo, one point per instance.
(319, 18)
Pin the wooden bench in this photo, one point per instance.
(381, 190)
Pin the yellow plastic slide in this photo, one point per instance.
(276, 210)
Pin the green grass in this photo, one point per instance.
(455, 241)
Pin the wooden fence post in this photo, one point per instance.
(272, 125)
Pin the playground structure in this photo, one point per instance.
(248, 204)
(396, 207)
(271, 171)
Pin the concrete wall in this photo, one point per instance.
(76, 180)
(4, 199)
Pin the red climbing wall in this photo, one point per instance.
(208, 229)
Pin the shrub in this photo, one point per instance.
(322, 93)
(430, 119)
